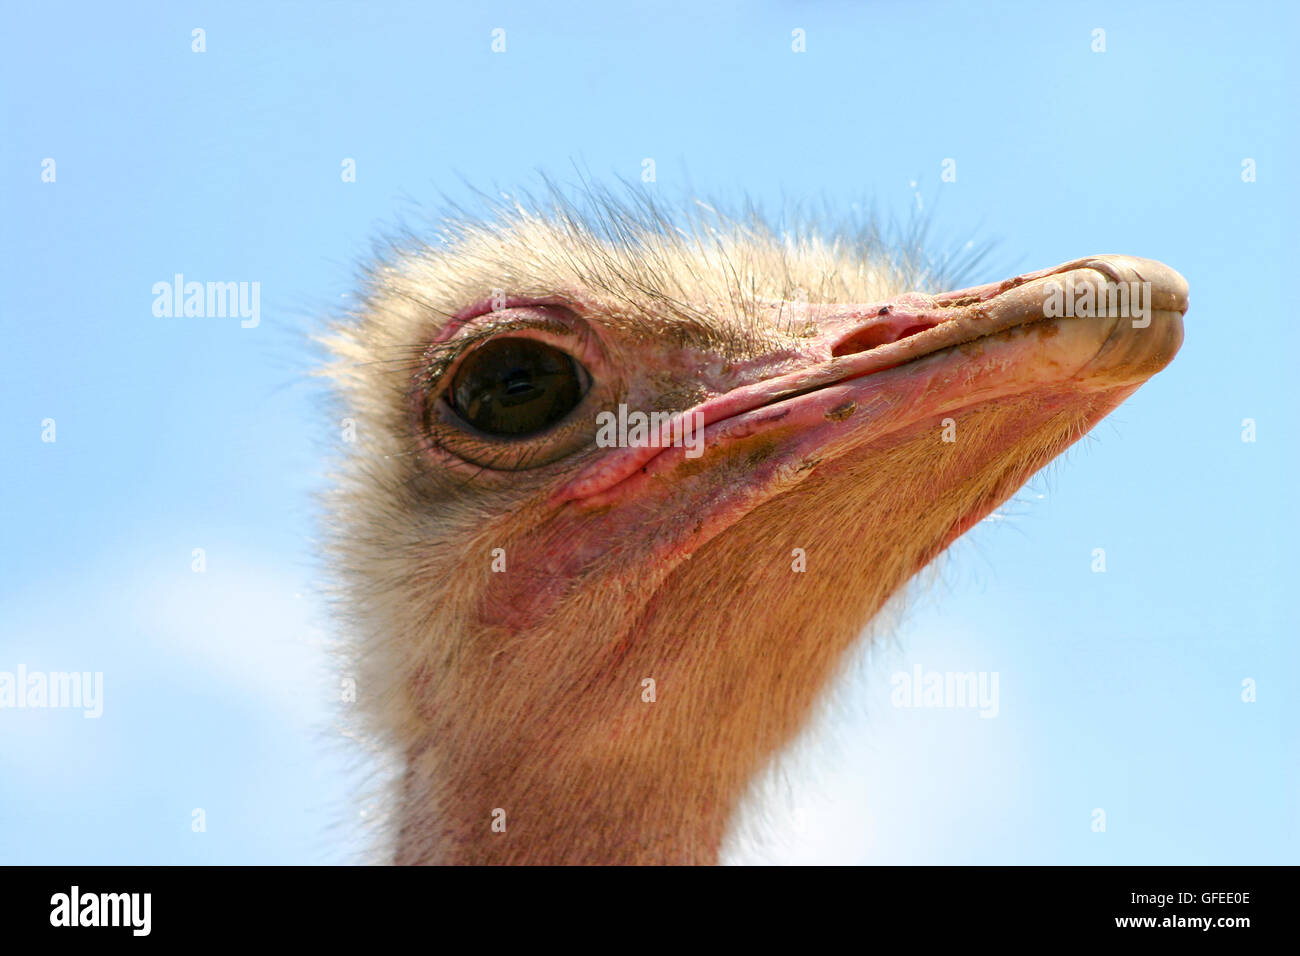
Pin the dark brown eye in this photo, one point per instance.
(513, 387)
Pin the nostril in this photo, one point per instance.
(864, 340)
(913, 330)
(874, 336)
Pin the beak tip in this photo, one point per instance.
(1168, 288)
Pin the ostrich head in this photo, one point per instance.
(584, 653)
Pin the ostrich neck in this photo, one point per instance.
(563, 740)
(597, 812)
(554, 728)
(612, 769)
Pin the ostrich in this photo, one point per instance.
(585, 654)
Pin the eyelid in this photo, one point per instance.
(442, 358)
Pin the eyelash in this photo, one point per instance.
(440, 360)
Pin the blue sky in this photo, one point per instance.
(1119, 691)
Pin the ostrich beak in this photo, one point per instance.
(1095, 327)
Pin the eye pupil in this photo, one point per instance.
(515, 387)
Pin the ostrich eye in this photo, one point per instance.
(515, 386)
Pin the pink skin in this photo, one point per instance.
(873, 371)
